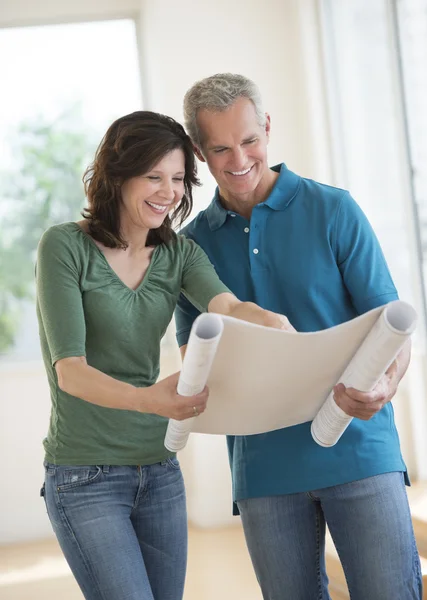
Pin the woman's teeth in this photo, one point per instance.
(160, 207)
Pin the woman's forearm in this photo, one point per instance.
(77, 378)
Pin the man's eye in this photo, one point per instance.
(251, 141)
(219, 150)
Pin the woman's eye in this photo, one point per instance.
(178, 178)
(153, 177)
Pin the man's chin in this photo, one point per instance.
(244, 187)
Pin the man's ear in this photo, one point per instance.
(198, 153)
(267, 125)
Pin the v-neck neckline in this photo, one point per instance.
(110, 268)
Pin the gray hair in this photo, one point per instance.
(217, 93)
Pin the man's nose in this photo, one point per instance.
(239, 159)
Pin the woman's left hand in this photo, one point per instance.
(248, 311)
(228, 304)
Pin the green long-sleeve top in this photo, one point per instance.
(84, 309)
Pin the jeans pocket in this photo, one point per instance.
(173, 462)
(70, 477)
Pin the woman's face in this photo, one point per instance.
(148, 198)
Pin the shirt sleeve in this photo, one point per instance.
(200, 284)
(185, 315)
(59, 298)
(360, 258)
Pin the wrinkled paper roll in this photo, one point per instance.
(202, 346)
(376, 353)
(262, 379)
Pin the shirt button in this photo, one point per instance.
(255, 250)
(246, 230)
(232, 215)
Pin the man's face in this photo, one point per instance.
(234, 146)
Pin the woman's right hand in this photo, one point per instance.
(163, 399)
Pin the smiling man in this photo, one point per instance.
(305, 250)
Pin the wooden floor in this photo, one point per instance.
(219, 568)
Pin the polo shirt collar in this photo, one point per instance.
(285, 189)
(216, 214)
(282, 194)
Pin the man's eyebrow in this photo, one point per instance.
(250, 137)
(246, 139)
(214, 146)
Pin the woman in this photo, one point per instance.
(107, 287)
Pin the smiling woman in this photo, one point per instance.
(148, 198)
(107, 287)
(129, 170)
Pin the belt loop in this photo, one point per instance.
(105, 468)
(50, 469)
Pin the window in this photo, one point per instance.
(61, 89)
(377, 91)
(368, 133)
(412, 27)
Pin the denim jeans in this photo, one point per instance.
(122, 529)
(371, 526)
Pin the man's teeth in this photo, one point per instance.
(240, 172)
(157, 206)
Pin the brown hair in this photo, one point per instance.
(132, 146)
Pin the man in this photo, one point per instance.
(305, 250)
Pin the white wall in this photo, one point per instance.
(19, 13)
(24, 418)
(184, 41)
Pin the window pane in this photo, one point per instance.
(64, 86)
(366, 122)
(412, 22)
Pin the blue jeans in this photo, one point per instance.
(371, 526)
(123, 530)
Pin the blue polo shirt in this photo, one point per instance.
(308, 252)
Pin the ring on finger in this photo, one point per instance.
(195, 411)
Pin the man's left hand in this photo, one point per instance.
(364, 405)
